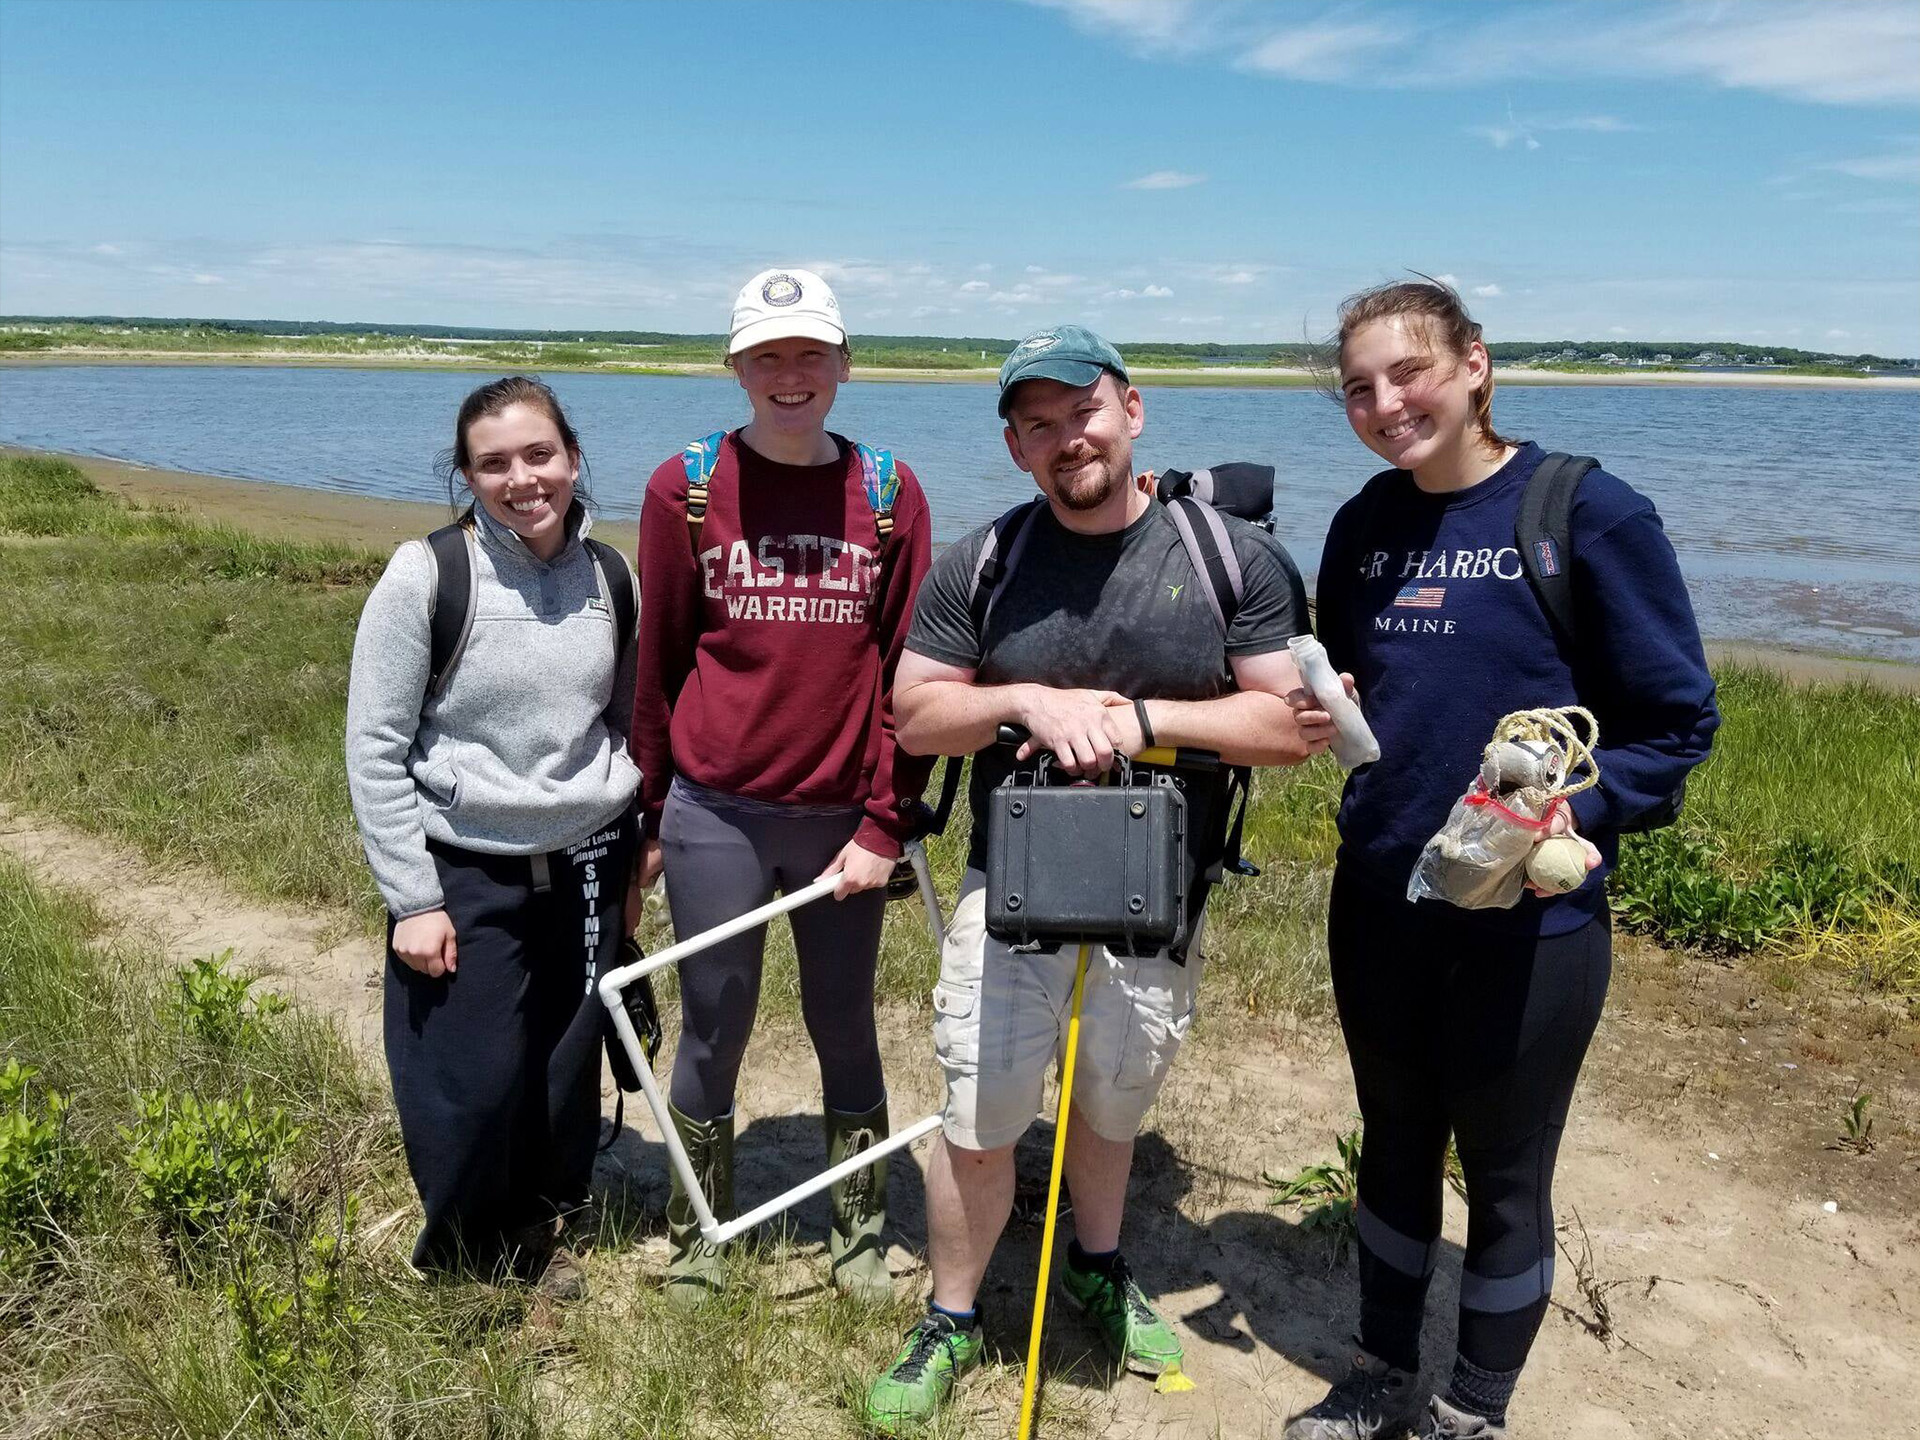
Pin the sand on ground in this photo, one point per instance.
(1726, 1273)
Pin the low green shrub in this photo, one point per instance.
(205, 1168)
(214, 1005)
(1683, 888)
(45, 1175)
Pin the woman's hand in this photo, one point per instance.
(859, 869)
(424, 942)
(1562, 824)
(647, 866)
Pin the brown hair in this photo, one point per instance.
(1448, 326)
(496, 397)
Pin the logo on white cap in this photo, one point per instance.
(781, 290)
(1033, 344)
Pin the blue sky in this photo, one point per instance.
(1162, 170)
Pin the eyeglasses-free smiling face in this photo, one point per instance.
(791, 383)
(1076, 441)
(521, 471)
(1406, 398)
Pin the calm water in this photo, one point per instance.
(1796, 513)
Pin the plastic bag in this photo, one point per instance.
(1477, 860)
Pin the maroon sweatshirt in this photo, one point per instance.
(766, 669)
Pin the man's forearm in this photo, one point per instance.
(1248, 727)
(954, 717)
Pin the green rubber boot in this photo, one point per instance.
(696, 1271)
(856, 1252)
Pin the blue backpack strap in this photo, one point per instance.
(700, 458)
(882, 481)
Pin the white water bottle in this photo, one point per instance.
(1353, 742)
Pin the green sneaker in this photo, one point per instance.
(1135, 1335)
(937, 1352)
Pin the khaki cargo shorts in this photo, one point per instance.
(1001, 1018)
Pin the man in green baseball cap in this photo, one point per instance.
(1100, 641)
(1071, 354)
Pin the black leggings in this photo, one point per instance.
(1454, 1027)
(496, 1067)
(725, 856)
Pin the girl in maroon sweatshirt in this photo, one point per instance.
(770, 626)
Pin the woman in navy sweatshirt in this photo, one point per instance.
(1473, 1023)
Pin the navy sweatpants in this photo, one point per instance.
(496, 1067)
(1455, 1028)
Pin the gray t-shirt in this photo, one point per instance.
(1122, 612)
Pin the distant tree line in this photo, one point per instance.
(935, 349)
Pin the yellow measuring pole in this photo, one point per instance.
(1030, 1391)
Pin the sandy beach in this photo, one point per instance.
(289, 511)
(1225, 376)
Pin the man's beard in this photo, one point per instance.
(1091, 487)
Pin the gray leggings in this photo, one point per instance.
(724, 856)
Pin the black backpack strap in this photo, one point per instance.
(1210, 549)
(450, 605)
(999, 553)
(1543, 532)
(616, 584)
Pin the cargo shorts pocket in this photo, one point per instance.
(1153, 1037)
(956, 1027)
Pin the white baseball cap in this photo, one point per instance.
(784, 304)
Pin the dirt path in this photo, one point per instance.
(1739, 1304)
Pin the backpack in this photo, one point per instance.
(1543, 534)
(1194, 501)
(879, 475)
(450, 605)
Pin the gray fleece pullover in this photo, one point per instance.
(524, 750)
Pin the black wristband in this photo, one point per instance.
(1146, 730)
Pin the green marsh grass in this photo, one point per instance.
(295, 1314)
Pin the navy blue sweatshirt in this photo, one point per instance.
(1424, 600)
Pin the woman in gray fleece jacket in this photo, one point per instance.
(496, 808)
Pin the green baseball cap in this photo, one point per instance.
(1071, 354)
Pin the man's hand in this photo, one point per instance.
(1073, 725)
(647, 866)
(1123, 726)
(1562, 824)
(1311, 720)
(424, 942)
(859, 869)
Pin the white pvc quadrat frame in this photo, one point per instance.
(614, 981)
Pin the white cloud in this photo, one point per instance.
(1325, 52)
(1902, 169)
(1165, 180)
(1145, 292)
(1449, 279)
(1487, 292)
(201, 278)
(1839, 334)
(1524, 132)
(974, 287)
(1809, 50)
(104, 249)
